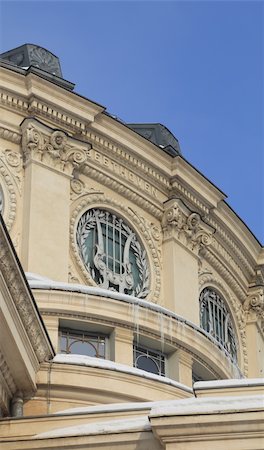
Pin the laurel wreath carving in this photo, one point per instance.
(87, 223)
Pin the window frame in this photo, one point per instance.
(216, 320)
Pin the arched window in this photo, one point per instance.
(112, 253)
(215, 319)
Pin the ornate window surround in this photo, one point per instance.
(133, 220)
(225, 323)
(112, 253)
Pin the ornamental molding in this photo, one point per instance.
(190, 196)
(22, 300)
(96, 200)
(7, 375)
(208, 279)
(232, 263)
(238, 255)
(59, 115)
(239, 259)
(13, 101)
(53, 148)
(130, 160)
(254, 304)
(154, 208)
(171, 340)
(185, 226)
(9, 192)
(221, 269)
(13, 161)
(10, 135)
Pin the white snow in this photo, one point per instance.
(44, 283)
(244, 382)
(35, 276)
(90, 361)
(209, 405)
(113, 426)
(112, 407)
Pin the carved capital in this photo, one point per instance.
(53, 148)
(186, 226)
(254, 304)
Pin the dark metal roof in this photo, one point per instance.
(159, 135)
(37, 60)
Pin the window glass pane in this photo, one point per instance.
(75, 342)
(148, 364)
(149, 360)
(112, 253)
(215, 319)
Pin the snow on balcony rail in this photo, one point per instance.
(38, 282)
(90, 361)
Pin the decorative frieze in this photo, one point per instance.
(53, 148)
(10, 135)
(9, 195)
(128, 159)
(22, 300)
(187, 227)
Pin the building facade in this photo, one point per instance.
(148, 288)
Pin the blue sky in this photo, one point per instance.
(197, 67)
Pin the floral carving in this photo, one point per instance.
(254, 303)
(188, 227)
(54, 149)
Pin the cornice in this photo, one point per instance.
(129, 158)
(22, 299)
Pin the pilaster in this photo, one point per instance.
(51, 159)
(254, 308)
(180, 367)
(184, 234)
(121, 346)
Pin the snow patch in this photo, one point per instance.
(90, 361)
(244, 382)
(113, 426)
(209, 405)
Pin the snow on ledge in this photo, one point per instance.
(209, 405)
(108, 408)
(220, 384)
(38, 282)
(113, 426)
(90, 361)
